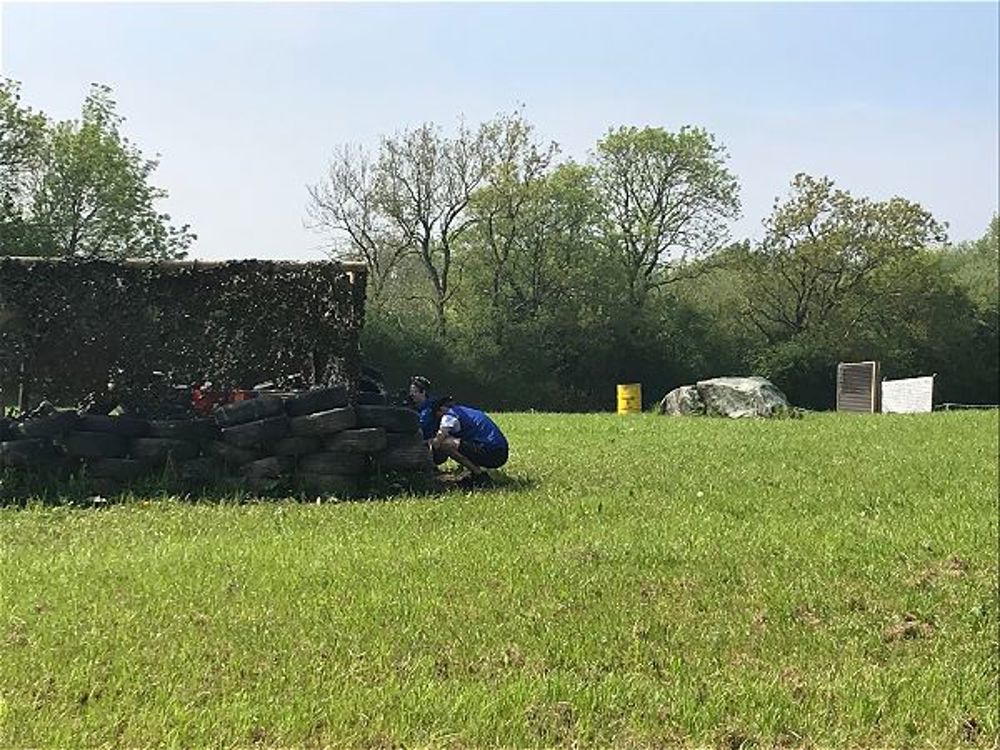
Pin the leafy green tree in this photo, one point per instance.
(976, 266)
(821, 249)
(21, 143)
(538, 293)
(92, 194)
(666, 197)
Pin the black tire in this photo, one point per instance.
(271, 467)
(397, 439)
(49, 426)
(127, 427)
(389, 418)
(183, 429)
(368, 398)
(95, 445)
(197, 471)
(252, 410)
(324, 422)
(6, 429)
(156, 450)
(321, 399)
(297, 446)
(230, 454)
(120, 469)
(254, 434)
(363, 440)
(327, 485)
(407, 453)
(347, 464)
(26, 453)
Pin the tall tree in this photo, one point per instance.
(22, 134)
(976, 266)
(424, 185)
(821, 248)
(512, 217)
(93, 196)
(667, 198)
(346, 208)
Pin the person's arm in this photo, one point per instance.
(449, 427)
(447, 441)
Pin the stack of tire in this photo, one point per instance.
(32, 445)
(112, 451)
(314, 442)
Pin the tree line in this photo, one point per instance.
(518, 278)
(526, 280)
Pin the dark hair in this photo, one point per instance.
(439, 402)
(421, 382)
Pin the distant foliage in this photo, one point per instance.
(562, 279)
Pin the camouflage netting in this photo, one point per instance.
(73, 327)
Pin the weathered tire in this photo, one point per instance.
(6, 428)
(271, 467)
(297, 446)
(127, 427)
(197, 471)
(396, 439)
(120, 469)
(321, 399)
(252, 410)
(368, 398)
(230, 454)
(324, 422)
(183, 429)
(405, 453)
(334, 463)
(262, 432)
(26, 453)
(49, 426)
(160, 449)
(363, 440)
(95, 445)
(335, 485)
(389, 418)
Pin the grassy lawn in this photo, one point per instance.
(644, 581)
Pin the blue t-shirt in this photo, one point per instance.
(426, 417)
(473, 425)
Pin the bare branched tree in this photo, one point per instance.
(345, 208)
(425, 182)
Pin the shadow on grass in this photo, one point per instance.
(19, 489)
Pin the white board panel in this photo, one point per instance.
(908, 396)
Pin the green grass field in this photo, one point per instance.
(642, 581)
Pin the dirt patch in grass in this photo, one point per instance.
(952, 567)
(909, 628)
(970, 729)
(554, 722)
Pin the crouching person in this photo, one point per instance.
(470, 438)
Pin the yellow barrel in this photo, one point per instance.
(630, 398)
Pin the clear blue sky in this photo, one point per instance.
(245, 102)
